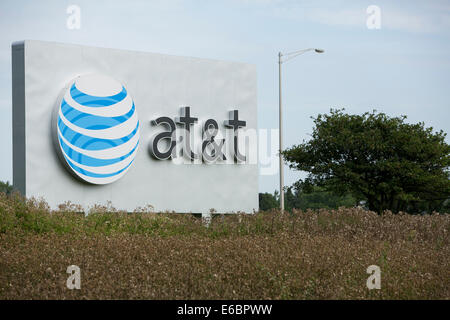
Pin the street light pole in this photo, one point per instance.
(280, 134)
(288, 56)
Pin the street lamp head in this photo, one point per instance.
(319, 50)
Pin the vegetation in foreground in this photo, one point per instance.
(319, 254)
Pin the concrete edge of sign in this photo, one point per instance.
(18, 115)
(132, 51)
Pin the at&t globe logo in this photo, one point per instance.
(96, 128)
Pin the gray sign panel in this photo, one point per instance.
(84, 120)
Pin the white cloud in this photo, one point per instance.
(405, 21)
(343, 17)
(391, 18)
(427, 17)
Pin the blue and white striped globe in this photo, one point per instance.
(97, 129)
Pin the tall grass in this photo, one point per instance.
(268, 255)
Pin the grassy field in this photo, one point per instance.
(143, 255)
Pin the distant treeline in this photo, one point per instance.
(6, 187)
(319, 198)
(295, 199)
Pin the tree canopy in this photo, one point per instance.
(317, 198)
(268, 201)
(6, 187)
(383, 160)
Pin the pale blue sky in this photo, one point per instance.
(403, 68)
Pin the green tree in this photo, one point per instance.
(386, 161)
(268, 201)
(6, 187)
(318, 198)
(297, 199)
(289, 199)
